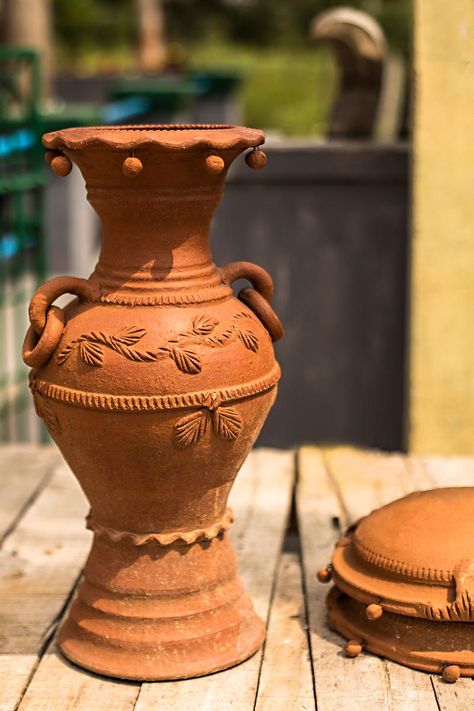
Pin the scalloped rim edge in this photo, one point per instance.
(198, 136)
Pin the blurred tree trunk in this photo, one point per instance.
(27, 23)
(151, 35)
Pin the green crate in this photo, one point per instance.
(22, 244)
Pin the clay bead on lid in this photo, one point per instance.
(414, 556)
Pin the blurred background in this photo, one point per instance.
(329, 217)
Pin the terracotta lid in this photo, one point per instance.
(167, 136)
(414, 556)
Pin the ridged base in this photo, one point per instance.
(412, 641)
(161, 613)
(108, 650)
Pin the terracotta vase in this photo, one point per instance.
(154, 383)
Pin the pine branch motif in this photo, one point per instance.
(226, 423)
(91, 346)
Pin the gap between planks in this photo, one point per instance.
(40, 562)
(24, 472)
(444, 472)
(344, 484)
(261, 500)
(318, 505)
(262, 505)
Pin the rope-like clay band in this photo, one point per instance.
(135, 403)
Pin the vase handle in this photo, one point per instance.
(47, 321)
(257, 298)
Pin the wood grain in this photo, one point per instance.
(366, 481)
(261, 501)
(40, 562)
(24, 471)
(351, 484)
(452, 472)
(286, 680)
(42, 557)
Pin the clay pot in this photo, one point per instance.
(154, 383)
(404, 582)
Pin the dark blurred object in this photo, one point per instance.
(330, 224)
(168, 99)
(370, 100)
(218, 97)
(207, 97)
(202, 97)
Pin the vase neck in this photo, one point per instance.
(156, 218)
(155, 243)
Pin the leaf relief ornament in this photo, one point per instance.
(202, 332)
(225, 421)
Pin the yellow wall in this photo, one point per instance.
(441, 394)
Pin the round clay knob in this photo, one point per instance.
(132, 166)
(49, 155)
(61, 165)
(256, 159)
(373, 611)
(353, 648)
(324, 575)
(214, 165)
(451, 673)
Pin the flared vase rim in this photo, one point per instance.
(165, 136)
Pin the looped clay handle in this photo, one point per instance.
(47, 293)
(47, 321)
(258, 298)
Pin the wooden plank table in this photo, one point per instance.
(290, 508)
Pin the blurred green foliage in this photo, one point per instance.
(287, 78)
(282, 89)
(109, 25)
(83, 26)
(270, 23)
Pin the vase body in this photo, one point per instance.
(157, 383)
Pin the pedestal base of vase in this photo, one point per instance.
(412, 641)
(154, 612)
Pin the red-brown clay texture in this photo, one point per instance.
(154, 391)
(404, 582)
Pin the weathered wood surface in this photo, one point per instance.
(335, 488)
(24, 471)
(45, 544)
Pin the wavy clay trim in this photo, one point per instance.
(163, 539)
